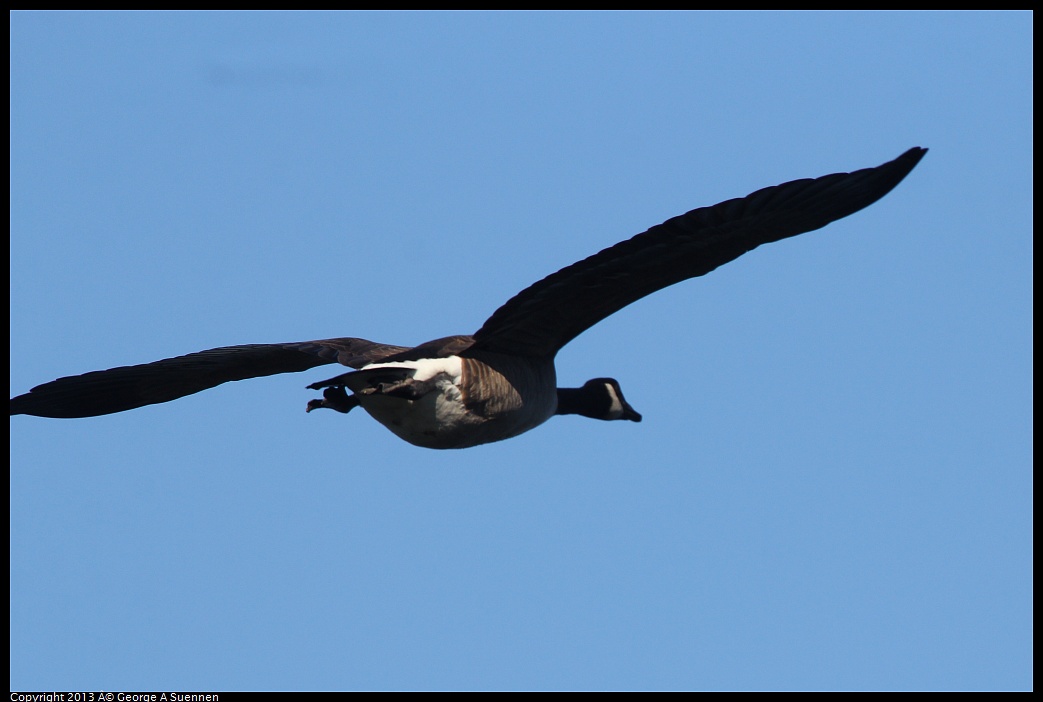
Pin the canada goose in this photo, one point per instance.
(463, 391)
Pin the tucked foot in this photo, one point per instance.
(334, 399)
(408, 389)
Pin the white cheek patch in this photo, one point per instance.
(427, 368)
(615, 410)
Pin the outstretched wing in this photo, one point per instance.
(541, 319)
(128, 387)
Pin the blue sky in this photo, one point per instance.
(832, 485)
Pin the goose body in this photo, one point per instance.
(452, 402)
(463, 391)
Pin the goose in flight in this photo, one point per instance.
(462, 391)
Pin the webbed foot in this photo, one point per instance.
(335, 399)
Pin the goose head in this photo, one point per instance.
(599, 398)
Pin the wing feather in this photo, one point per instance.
(544, 317)
(129, 387)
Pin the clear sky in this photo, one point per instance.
(832, 485)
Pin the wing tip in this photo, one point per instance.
(912, 157)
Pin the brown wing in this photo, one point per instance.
(129, 387)
(541, 319)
